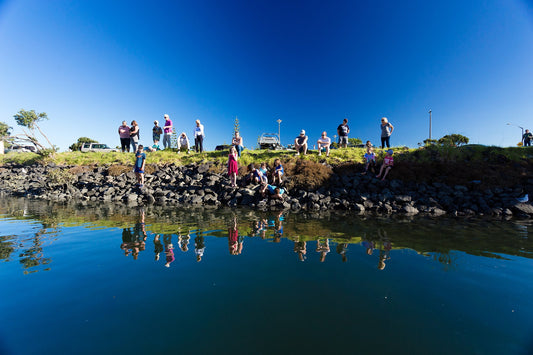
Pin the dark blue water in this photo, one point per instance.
(88, 279)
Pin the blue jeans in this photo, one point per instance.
(385, 140)
(239, 148)
(166, 140)
(134, 144)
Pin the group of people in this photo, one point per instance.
(130, 135)
(324, 142)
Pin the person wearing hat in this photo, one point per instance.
(167, 129)
(157, 131)
(300, 143)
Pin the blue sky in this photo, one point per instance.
(92, 64)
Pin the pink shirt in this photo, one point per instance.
(388, 160)
(124, 132)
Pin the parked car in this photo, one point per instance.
(97, 147)
(21, 149)
(269, 141)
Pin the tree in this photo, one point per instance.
(4, 130)
(454, 140)
(29, 119)
(352, 142)
(428, 142)
(236, 127)
(80, 142)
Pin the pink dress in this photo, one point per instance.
(233, 167)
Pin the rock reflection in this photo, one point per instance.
(351, 237)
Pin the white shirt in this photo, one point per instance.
(325, 140)
(199, 130)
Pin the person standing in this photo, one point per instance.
(233, 166)
(157, 131)
(386, 131)
(199, 137)
(238, 143)
(167, 130)
(526, 138)
(134, 135)
(343, 131)
(124, 134)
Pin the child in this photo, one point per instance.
(278, 172)
(388, 163)
(274, 191)
(255, 175)
(263, 169)
(370, 157)
(140, 160)
(233, 166)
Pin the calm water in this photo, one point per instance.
(107, 279)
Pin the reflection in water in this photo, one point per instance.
(375, 237)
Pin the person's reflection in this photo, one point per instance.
(139, 235)
(368, 245)
(300, 248)
(322, 247)
(384, 249)
(342, 248)
(278, 234)
(127, 241)
(183, 242)
(233, 238)
(158, 247)
(169, 249)
(199, 246)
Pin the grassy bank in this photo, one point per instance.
(453, 165)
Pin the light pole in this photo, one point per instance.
(522, 128)
(279, 130)
(430, 124)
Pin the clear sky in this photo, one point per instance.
(91, 64)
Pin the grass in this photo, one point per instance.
(338, 156)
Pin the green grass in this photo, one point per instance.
(337, 156)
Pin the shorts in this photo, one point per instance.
(343, 139)
(138, 170)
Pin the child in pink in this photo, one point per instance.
(233, 166)
(388, 163)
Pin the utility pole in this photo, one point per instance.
(430, 124)
(279, 130)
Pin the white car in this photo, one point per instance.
(97, 147)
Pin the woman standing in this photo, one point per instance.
(134, 135)
(386, 131)
(124, 134)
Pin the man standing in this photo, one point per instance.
(343, 131)
(167, 129)
(527, 137)
(199, 137)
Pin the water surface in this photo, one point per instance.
(105, 279)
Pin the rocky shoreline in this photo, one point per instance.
(201, 185)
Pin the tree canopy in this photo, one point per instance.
(4, 130)
(454, 140)
(29, 118)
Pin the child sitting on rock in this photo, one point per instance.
(274, 191)
(278, 172)
(256, 176)
(388, 163)
(370, 157)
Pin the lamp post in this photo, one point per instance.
(430, 124)
(279, 130)
(522, 128)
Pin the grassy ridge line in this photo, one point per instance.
(338, 156)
